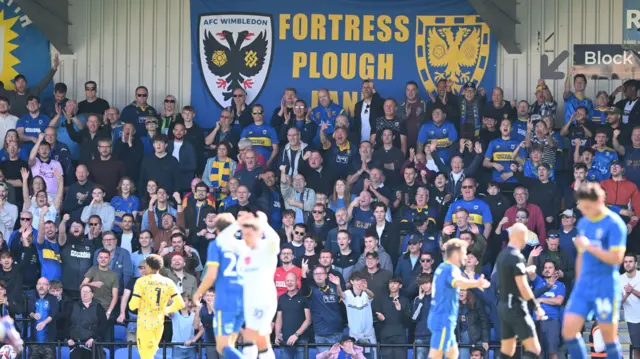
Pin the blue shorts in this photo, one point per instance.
(443, 337)
(596, 298)
(227, 322)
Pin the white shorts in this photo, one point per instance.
(259, 316)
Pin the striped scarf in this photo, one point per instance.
(220, 175)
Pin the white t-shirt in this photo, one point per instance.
(176, 149)
(126, 241)
(359, 313)
(6, 124)
(627, 110)
(632, 304)
(365, 126)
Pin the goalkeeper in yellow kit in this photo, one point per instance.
(151, 296)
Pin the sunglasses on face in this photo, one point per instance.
(89, 88)
(25, 219)
(238, 95)
(299, 233)
(318, 212)
(142, 95)
(257, 112)
(169, 101)
(424, 260)
(467, 187)
(299, 107)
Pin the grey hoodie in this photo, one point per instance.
(383, 257)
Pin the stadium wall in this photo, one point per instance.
(124, 43)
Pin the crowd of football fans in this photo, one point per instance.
(363, 203)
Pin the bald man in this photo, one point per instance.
(514, 296)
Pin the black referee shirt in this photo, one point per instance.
(510, 264)
(292, 309)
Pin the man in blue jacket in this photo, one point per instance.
(42, 310)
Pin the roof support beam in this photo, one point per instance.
(500, 15)
(51, 17)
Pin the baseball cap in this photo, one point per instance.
(615, 162)
(613, 111)
(419, 219)
(469, 85)
(601, 92)
(414, 239)
(568, 213)
(373, 254)
(541, 87)
(553, 234)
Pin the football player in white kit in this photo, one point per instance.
(257, 262)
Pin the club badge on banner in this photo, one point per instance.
(310, 46)
(25, 50)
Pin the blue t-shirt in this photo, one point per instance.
(571, 103)
(32, 127)
(445, 297)
(519, 129)
(63, 136)
(599, 116)
(360, 221)
(46, 307)
(608, 232)
(128, 205)
(602, 162)
(49, 253)
(500, 151)
(557, 290)
(531, 170)
(444, 135)
(632, 164)
(262, 138)
(479, 212)
(228, 281)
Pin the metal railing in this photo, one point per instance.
(165, 348)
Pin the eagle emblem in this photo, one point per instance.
(454, 48)
(235, 52)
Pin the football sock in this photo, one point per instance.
(231, 353)
(529, 355)
(267, 354)
(250, 351)
(504, 356)
(614, 350)
(577, 348)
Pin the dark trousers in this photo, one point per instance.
(397, 352)
(79, 352)
(39, 351)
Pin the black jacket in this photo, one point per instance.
(634, 115)
(87, 323)
(88, 145)
(476, 320)
(376, 110)
(130, 156)
(389, 240)
(455, 188)
(566, 265)
(544, 195)
(165, 171)
(135, 242)
(395, 321)
(194, 220)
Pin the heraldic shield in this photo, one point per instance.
(453, 48)
(235, 52)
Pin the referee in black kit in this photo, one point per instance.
(514, 293)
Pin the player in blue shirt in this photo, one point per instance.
(445, 290)
(601, 244)
(573, 100)
(263, 137)
(221, 270)
(603, 156)
(439, 130)
(499, 154)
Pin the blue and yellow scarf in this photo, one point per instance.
(220, 175)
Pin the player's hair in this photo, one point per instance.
(537, 148)
(590, 191)
(326, 251)
(453, 245)
(462, 209)
(3, 285)
(289, 212)
(300, 225)
(577, 76)
(55, 284)
(5, 255)
(154, 262)
(356, 275)
(628, 254)
(603, 131)
(477, 349)
(104, 251)
(88, 286)
(310, 236)
(224, 220)
(129, 215)
(524, 210)
(179, 235)
(425, 278)
(60, 87)
(344, 231)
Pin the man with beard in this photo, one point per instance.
(443, 97)
(413, 111)
(106, 170)
(550, 293)
(631, 154)
(195, 213)
(30, 125)
(48, 249)
(389, 120)
(630, 283)
(185, 282)
(191, 257)
(104, 283)
(76, 255)
(119, 258)
(184, 152)
(498, 108)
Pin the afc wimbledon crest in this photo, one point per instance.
(235, 52)
(454, 48)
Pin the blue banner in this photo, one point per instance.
(333, 44)
(23, 48)
(631, 20)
